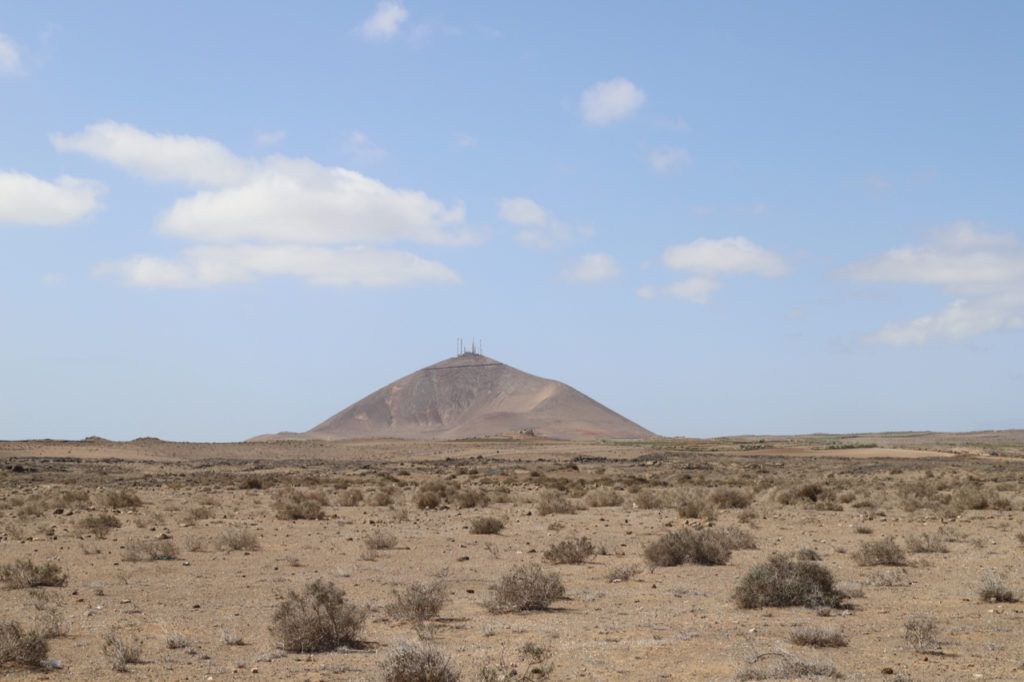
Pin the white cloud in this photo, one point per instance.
(983, 271)
(10, 60)
(289, 207)
(464, 141)
(694, 289)
(666, 159)
(271, 138)
(363, 148)
(193, 160)
(732, 255)
(27, 200)
(590, 268)
(385, 22)
(609, 101)
(205, 266)
(278, 199)
(540, 230)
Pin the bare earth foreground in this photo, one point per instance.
(183, 546)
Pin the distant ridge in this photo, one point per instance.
(470, 396)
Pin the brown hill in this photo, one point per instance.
(470, 396)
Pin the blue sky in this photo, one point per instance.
(225, 219)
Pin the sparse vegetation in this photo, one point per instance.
(317, 619)
(993, 589)
(150, 550)
(926, 543)
(120, 499)
(99, 525)
(486, 525)
(417, 662)
(24, 573)
(418, 602)
(781, 581)
(295, 504)
(706, 546)
(120, 651)
(378, 539)
(818, 637)
(527, 587)
(880, 553)
(18, 646)
(238, 539)
(570, 551)
(921, 633)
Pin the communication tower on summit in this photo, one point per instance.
(474, 348)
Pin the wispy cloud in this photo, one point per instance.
(592, 268)
(384, 23)
(290, 204)
(540, 230)
(708, 260)
(28, 200)
(271, 138)
(983, 271)
(363, 149)
(10, 58)
(610, 101)
(665, 159)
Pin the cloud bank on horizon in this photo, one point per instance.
(467, 154)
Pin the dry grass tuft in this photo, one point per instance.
(119, 651)
(486, 525)
(993, 589)
(527, 587)
(317, 619)
(570, 551)
(419, 602)
(921, 634)
(419, 662)
(880, 553)
(150, 550)
(293, 504)
(23, 574)
(238, 539)
(818, 637)
(20, 647)
(781, 581)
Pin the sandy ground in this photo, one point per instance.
(671, 623)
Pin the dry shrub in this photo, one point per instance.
(238, 539)
(198, 513)
(571, 551)
(150, 550)
(175, 639)
(807, 554)
(527, 587)
(23, 573)
(380, 539)
(782, 666)
(99, 525)
(694, 506)
(119, 651)
(120, 499)
(316, 619)
(925, 543)
(993, 589)
(818, 637)
(486, 525)
(688, 546)
(551, 502)
(471, 497)
(620, 574)
(602, 497)
(419, 662)
(20, 647)
(921, 634)
(731, 498)
(350, 497)
(49, 618)
(803, 493)
(419, 602)
(781, 581)
(880, 553)
(650, 499)
(296, 504)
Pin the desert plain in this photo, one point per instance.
(186, 551)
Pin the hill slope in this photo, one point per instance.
(471, 395)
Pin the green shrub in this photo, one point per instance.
(781, 581)
(316, 619)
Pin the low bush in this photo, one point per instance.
(880, 553)
(784, 666)
(688, 546)
(120, 651)
(380, 539)
(316, 619)
(551, 502)
(99, 525)
(120, 499)
(818, 637)
(238, 539)
(23, 573)
(602, 497)
(527, 587)
(486, 525)
(570, 551)
(921, 634)
(993, 589)
(419, 662)
(21, 647)
(150, 550)
(419, 602)
(731, 498)
(780, 581)
(293, 504)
